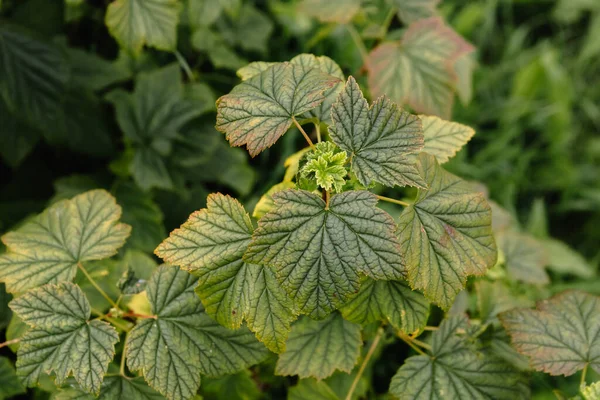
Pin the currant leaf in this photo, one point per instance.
(135, 23)
(319, 249)
(456, 370)
(443, 139)
(211, 245)
(392, 301)
(562, 336)
(61, 338)
(413, 10)
(47, 248)
(318, 348)
(338, 11)
(379, 138)
(311, 389)
(525, 257)
(114, 387)
(9, 382)
(418, 69)
(183, 342)
(257, 112)
(446, 234)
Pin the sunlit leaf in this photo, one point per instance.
(443, 139)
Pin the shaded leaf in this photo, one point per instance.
(525, 257)
(561, 336)
(259, 111)
(564, 260)
(392, 301)
(61, 338)
(318, 348)
(318, 249)
(446, 235)
(9, 382)
(238, 386)
(456, 370)
(311, 389)
(338, 11)
(377, 138)
(135, 23)
(414, 10)
(114, 387)
(183, 341)
(17, 139)
(443, 139)
(418, 69)
(48, 247)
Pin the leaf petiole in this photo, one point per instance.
(390, 200)
(9, 342)
(184, 64)
(582, 382)
(365, 362)
(303, 132)
(413, 343)
(98, 288)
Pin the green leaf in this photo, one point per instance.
(183, 341)
(203, 13)
(562, 336)
(338, 11)
(392, 301)
(318, 348)
(456, 370)
(564, 260)
(414, 10)
(33, 77)
(9, 382)
(62, 339)
(17, 139)
(446, 235)
(91, 71)
(591, 392)
(151, 118)
(525, 257)
(418, 69)
(48, 247)
(266, 203)
(311, 389)
(135, 23)
(260, 110)
(142, 213)
(211, 245)
(378, 138)
(318, 249)
(114, 387)
(443, 139)
(250, 29)
(253, 69)
(239, 386)
(325, 165)
(494, 298)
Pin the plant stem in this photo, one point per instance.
(318, 131)
(9, 342)
(431, 328)
(388, 20)
(376, 341)
(390, 200)
(98, 288)
(583, 374)
(420, 344)
(122, 368)
(134, 315)
(327, 197)
(184, 64)
(406, 339)
(303, 132)
(358, 41)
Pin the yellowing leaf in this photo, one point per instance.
(446, 234)
(61, 338)
(379, 138)
(318, 250)
(443, 139)
(562, 336)
(211, 245)
(257, 112)
(339, 11)
(183, 341)
(393, 301)
(48, 247)
(135, 23)
(318, 348)
(418, 70)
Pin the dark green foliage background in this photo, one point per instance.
(535, 108)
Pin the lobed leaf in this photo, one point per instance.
(446, 234)
(418, 70)
(524, 256)
(456, 370)
(318, 249)
(183, 341)
(318, 348)
(378, 138)
(114, 387)
(562, 336)
(47, 248)
(61, 338)
(257, 112)
(211, 245)
(443, 139)
(392, 301)
(135, 23)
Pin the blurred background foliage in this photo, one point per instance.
(138, 121)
